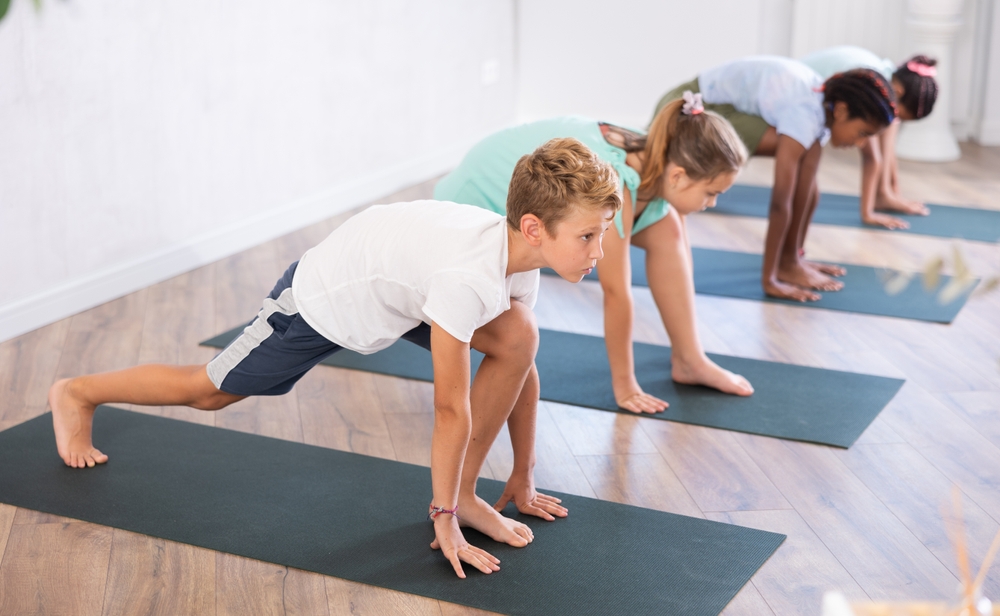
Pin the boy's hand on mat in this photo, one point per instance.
(520, 489)
(884, 220)
(449, 539)
(632, 398)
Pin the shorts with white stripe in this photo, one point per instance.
(278, 347)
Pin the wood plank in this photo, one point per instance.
(341, 409)
(55, 569)
(246, 586)
(595, 433)
(747, 602)
(978, 409)
(794, 579)
(955, 448)
(643, 480)
(27, 369)
(6, 521)
(880, 553)
(346, 597)
(715, 470)
(918, 494)
(154, 576)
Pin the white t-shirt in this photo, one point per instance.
(391, 267)
(783, 91)
(827, 62)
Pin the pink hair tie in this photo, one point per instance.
(693, 104)
(923, 70)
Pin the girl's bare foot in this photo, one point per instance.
(72, 422)
(477, 513)
(706, 372)
(884, 220)
(830, 269)
(788, 291)
(896, 203)
(808, 278)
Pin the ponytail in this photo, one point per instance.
(701, 142)
(920, 90)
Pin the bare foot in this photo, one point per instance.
(788, 291)
(72, 422)
(830, 269)
(808, 278)
(884, 220)
(706, 372)
(477, 513)
(903, 206)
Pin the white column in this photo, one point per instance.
(932, 25)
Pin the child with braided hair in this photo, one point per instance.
(916, 90)
(782, 108)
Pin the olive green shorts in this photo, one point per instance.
(750, 128)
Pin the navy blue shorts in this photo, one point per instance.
(279, 347)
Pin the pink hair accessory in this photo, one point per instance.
(923, 70)
(693, 104)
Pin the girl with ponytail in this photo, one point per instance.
(916, 91)
(688, 158)
(782, 108)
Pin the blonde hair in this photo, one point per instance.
(704, 144)
(558, 175)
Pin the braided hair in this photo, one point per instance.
(920, 91)
(866, 93)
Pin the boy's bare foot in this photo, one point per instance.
(788, 291)
(706, 372)
(72, 422)
(895, 203)
(477, 513)
(830, 269)
(808, 278)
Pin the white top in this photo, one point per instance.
(828, 62)
(782, 91)
(391, 267)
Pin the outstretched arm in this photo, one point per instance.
(872, 173)
(781, 237)
(615, 273)
(452, 425)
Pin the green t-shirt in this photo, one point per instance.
(483, 176)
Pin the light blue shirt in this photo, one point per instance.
(828, 62)
(784, 92)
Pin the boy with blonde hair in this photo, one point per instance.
(442, 275)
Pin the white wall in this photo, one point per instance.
(613, 60)
(987, 128)
(142, 139)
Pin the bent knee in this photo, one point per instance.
(215, 401)
(513, 335)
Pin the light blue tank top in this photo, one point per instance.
(483, 176)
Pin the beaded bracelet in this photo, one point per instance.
(436, 511)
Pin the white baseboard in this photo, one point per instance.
(95, 288)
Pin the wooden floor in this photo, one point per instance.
(866, 521)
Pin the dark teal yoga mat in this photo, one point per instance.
(829, 407)
(363, 519)
(844, 211)
(737, 274)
